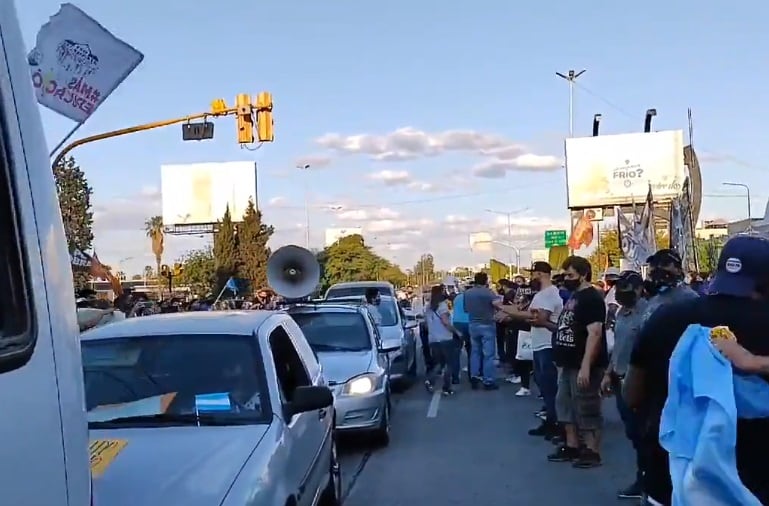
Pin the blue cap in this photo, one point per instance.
(743, 264)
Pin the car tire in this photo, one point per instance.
(332, 494)
(382, 433)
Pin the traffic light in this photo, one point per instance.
(165, 271)
(245, 119)
(264, 121)
(178, 269)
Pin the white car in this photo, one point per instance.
(209, 408)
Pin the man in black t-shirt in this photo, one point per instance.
(739, 300)
(579, 351)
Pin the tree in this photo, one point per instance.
(708, 251)
(424, 270)
(389, 271)
(608, 252)
(253, 251)
(199, 273)
(75, 204)
(154, 228)
(349, 259)
(225, 250)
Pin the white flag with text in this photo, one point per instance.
(76, 63)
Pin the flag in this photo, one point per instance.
(77, 63)
(99, 270)
(232, 285)
(497, 270)
(699, 422)
(80, 260)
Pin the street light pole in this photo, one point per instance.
(509, 216)
(571, 77)
(306, 166)
(747, 190)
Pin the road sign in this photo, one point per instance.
(555, 238)
(197, 131)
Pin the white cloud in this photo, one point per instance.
(382, 213)
(391, 177)
(278, 202)
(499, 167)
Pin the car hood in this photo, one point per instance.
(340, 366)
(194, 466)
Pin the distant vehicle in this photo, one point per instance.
(358, 289)
(354, 362)
(397, 333)
(210, 408)
(44, 457)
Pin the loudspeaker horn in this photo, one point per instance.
(293, 272)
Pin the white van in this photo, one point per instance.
(44, 459)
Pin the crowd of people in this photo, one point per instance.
(581, 340)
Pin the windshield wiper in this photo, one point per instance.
(169, 419)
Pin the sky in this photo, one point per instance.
(416, 118)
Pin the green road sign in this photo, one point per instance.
(555, 238)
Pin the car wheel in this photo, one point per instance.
(382, 434)
(332, 494)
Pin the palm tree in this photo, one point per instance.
(154, 228)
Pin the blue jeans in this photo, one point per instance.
(483, 343)
(546, 376)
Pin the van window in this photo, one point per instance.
(17, 340)
(355, 291)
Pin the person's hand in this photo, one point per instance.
(606, 385)
(734, 352)
(583, 378)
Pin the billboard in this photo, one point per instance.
(481, 242)
(609, 170)
(334, 234)
(199, 193)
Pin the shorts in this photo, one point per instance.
(576, 406)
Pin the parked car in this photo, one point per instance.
(201, 408)
(358, 289)
(354, 362)
(396, 333)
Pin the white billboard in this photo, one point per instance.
(481, 242)
(334, 234)
(199, 193)
(609, 170)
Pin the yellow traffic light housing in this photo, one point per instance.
(165, 271)
(218, 106)
(264, 121)
(245, 119)
(178, 269)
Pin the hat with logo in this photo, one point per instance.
(628, 281)
(742, 266)
(542, 267)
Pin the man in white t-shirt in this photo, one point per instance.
(546, 307)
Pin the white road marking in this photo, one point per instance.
(435, 402)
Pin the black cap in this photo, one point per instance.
(665, 257)
(543, 267)
(742, 266)
(629, 280)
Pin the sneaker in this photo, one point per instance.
(515, 380)
(540, 396)
(523, 392)
(543, 430)
(475, 383)
(558, 440)
(587, 459)
(429, 386)
(564, 454)
(448, 392)
(490, 386)
(634, 491)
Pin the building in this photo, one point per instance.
(710, 229)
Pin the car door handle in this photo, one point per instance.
(321, 414)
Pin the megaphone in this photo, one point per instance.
(293, 272)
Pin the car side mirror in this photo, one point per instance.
(310, 398)
(389, 349)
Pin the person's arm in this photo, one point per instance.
(593, 314)
(445, 316)
(741, 358)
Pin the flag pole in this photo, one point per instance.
(220, 295)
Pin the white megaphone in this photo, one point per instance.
(293, 272)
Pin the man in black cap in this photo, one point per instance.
(665, 283)
(739, 299)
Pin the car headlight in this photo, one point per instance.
(361, 385)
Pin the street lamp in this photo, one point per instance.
(306, 166)
(509, 216)
(571, 78)
(747, 191)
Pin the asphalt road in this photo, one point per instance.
(473, 448)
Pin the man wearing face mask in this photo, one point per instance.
(665, 283)
(372, 304)
(627, 325)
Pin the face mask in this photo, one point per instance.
(663, 280)
(571, 284)
(627, 299)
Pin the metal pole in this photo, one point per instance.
(510, 238)
(750, 214)
(306, 206)
(571, 77)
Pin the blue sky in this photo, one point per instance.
(400, 75)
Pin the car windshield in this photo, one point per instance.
(334, 331)
(176, 380)
(355, 291)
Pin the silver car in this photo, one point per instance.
(354, 362)
(398, 334)
(202, 408)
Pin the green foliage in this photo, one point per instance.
(199, 272)
(708, 251)
(226, 250)
(253, 251)
(76, 212)
(424, 270)
(349, 259)
(608, 252)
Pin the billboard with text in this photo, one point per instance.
(609, 170)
